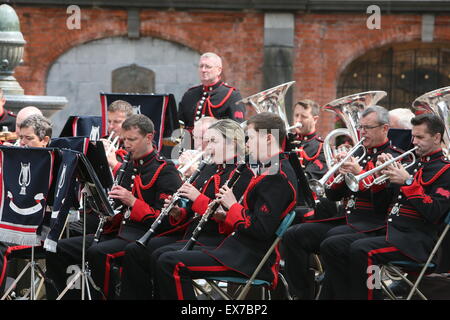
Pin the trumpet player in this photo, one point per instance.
(225, 145)
(270, 195)
(309, 144)
(118, 112)
(415, 200)
(148, 182)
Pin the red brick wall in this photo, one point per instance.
(324, 43)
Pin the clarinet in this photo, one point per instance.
(213, 206)
(115, 204)
(175, 198)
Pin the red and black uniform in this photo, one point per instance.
(217, 100)
(269, 197)
(300, 241)
(311, 156)
(415, 217)
(8, 119)
(153, 179)
(139, 262)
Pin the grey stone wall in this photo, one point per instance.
(81, 73)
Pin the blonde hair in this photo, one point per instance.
(231, 131)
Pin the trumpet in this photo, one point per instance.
(185, 167)
(113, 143)
(165, 212)
(318, 186)
(353, 181)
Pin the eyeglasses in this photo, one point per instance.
(365, 128)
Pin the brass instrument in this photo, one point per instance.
(348, 108)
(437, 102)
(270, 100)
(353, 181)
(185, 167)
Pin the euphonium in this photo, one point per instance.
(437, 102)
(348, 108)
(353, 181)
(165, 212)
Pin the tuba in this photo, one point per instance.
(271, 100)
(438, 103)
(348, 108)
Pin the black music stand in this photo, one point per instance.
(93, 189)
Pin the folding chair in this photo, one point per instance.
(246, 283)
(402, 267)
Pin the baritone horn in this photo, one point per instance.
(348, 108)
(271, 100)
(437, 102)
(353, 181)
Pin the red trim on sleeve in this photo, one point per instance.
(234, 215)
(141, 210)
(183, 214)
(200, 205)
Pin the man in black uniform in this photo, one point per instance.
(302, 240)
(153, 180)
(270, 195)
(213, 98)
(417, 200)
(7, 118)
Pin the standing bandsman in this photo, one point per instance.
(213, 98)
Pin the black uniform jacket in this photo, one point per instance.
(151, 179)
(213, 232)
(311, 156)
(417, 211)
(8, 119)
(359, 210)
(218, 101)
(269, 197)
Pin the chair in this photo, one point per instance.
(402, 267)
(245, 284)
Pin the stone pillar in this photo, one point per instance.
(278, 53)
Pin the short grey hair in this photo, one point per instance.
(382, 114)
(403, 116)
(212, 55)
(42, 126)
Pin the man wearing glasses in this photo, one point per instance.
(363, 220)
(213, 98)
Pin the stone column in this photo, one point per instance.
(278, 53)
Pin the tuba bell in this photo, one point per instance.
(438, 103)
(271, 100)
(348, 108)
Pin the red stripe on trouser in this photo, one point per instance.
(109, 257)
(9, 250)
(369, 263)
(176, 275)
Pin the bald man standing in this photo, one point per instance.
(213, 98)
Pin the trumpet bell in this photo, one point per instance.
(352, 182)
(317, 187)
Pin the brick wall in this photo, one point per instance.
(324, 43)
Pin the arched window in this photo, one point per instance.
(404, 71)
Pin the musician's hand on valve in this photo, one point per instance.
(188, 191)
(382, 158)
(226, 196)
(396, 173)
(124, 195)
(111, 156)
(350, 166)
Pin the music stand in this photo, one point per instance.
(93, 188)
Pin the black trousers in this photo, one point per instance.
(335, 254)
(137, 279)
(175, 271)
(298, 243)
(98, 255)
